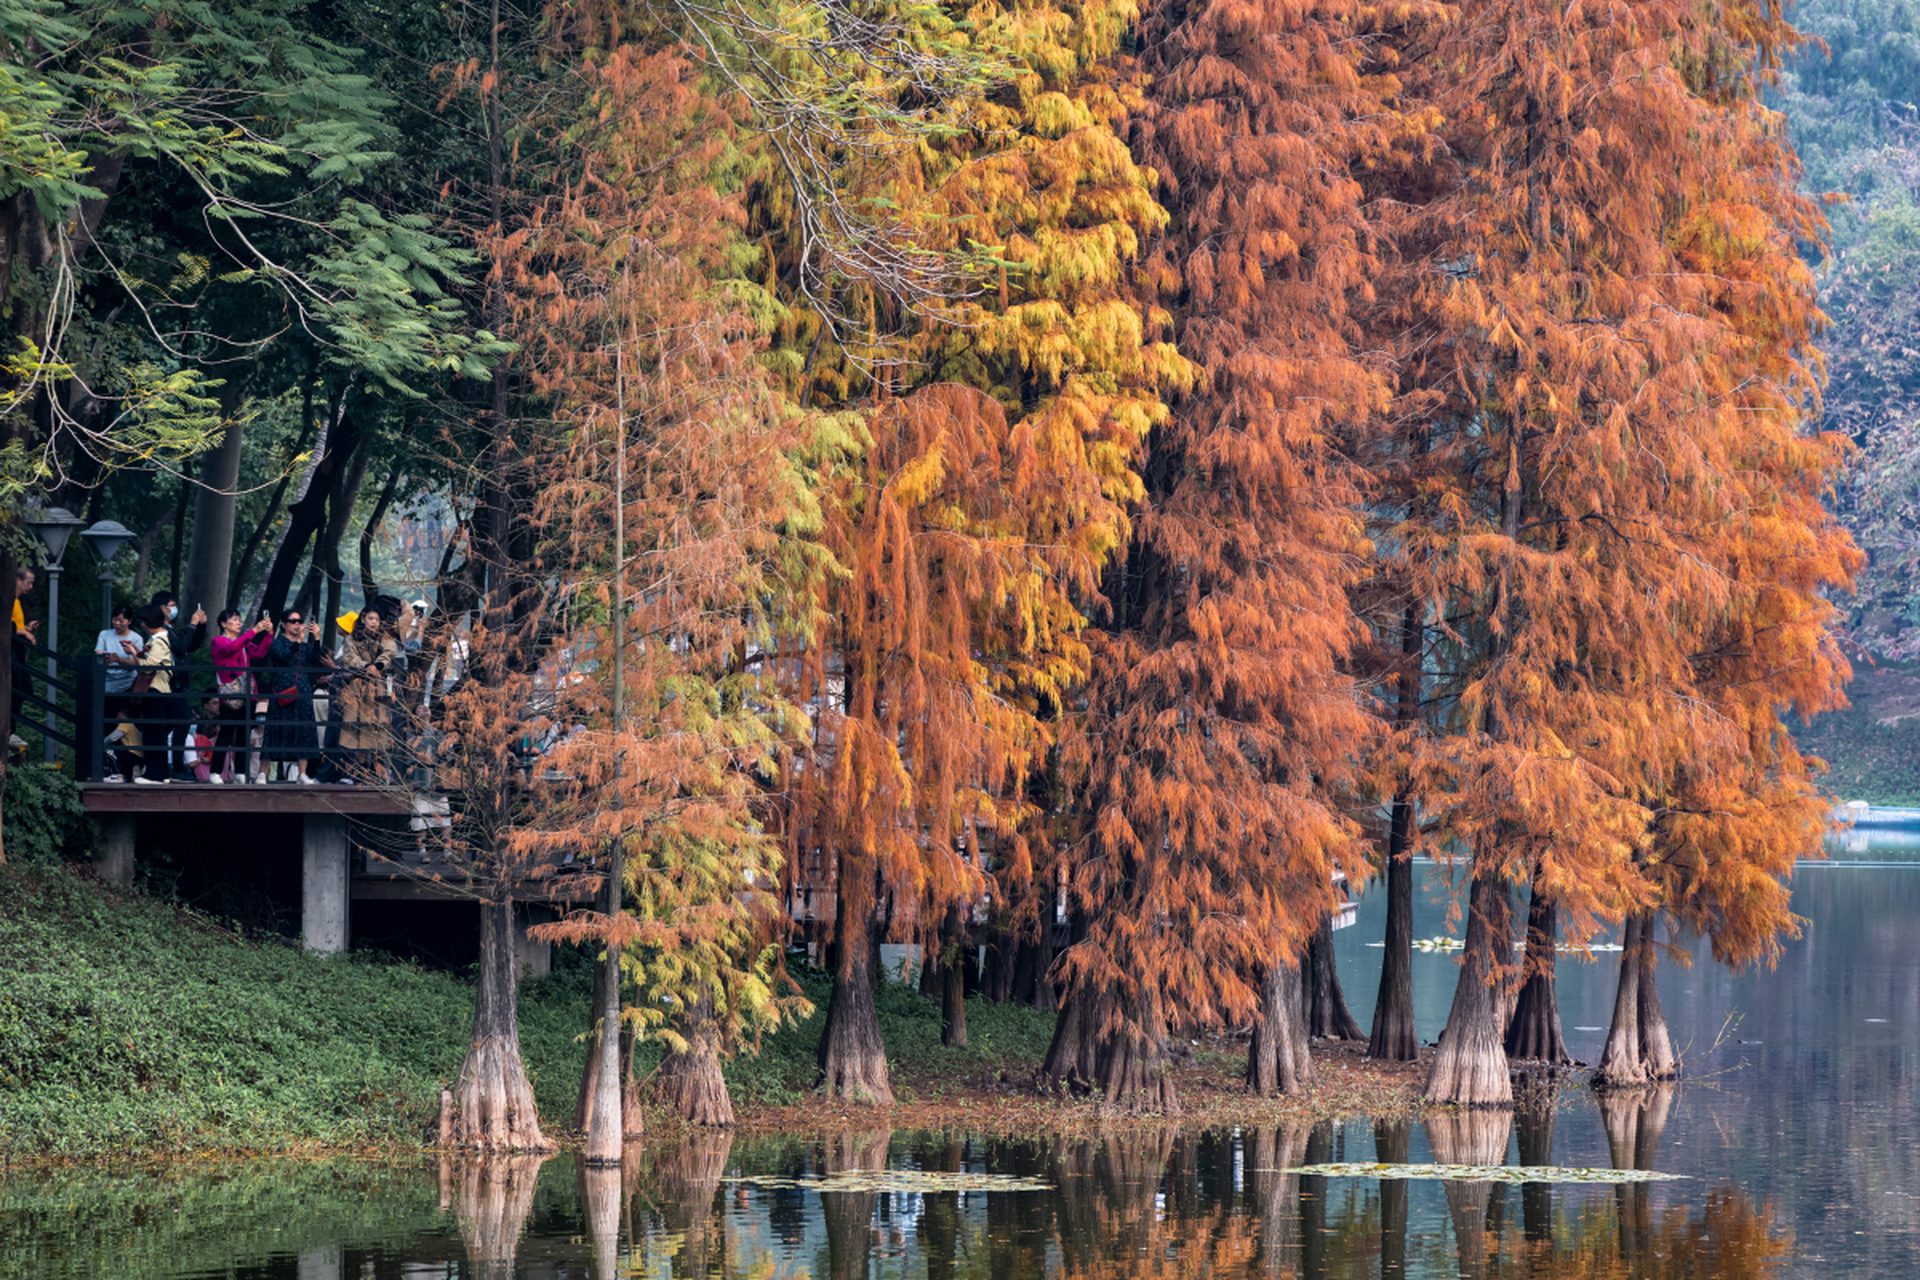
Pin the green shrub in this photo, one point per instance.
(43, 815)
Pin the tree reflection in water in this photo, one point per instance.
(1157, 1203)
(1470, 1136)
(1392, 1143)
(1160, 1203)
(849, 1214)
(492, 1196)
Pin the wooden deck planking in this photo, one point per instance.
(187, 797)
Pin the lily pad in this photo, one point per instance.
(906, 1181)
(1479, 1173)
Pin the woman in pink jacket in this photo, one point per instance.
(234, 651)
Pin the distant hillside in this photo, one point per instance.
(1873, 746)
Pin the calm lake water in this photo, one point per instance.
(1793, 1134)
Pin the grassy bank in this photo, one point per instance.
(129, 1025)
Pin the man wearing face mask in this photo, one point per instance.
(186, 639)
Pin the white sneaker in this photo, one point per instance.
(258, 780)
(301, 777)
(144, 781)
(216, 780)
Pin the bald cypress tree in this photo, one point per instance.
(1576, 513)
(980, 486)
(1222, 723)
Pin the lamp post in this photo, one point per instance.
(53, 527)
(106, 538)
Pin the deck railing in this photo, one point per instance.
(74, 709)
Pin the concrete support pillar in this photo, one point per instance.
(113, 847)
(531, 959)
(323, 883)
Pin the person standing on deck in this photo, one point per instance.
(156, 703)
(23, 635)
(366, 705)
(185, 640)
(119, 650)
(234, 653)
(291, 738)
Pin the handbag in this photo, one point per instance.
(143, 683)
(288, 696)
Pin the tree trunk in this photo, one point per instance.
(1328, 1017)
(1470, 1067)
(1656, 1046)
(251, 548)
(1070, 1055)
(932, 977)
(953, 1008)
(1393, 1036)
(691, 1080)
(590, 1072)
(1277, 1057)
(326, 552)
(953, 998)
(1131, 1068)
(632, 1118)
(179, 537)
(1534, 1032)
(853, 1061)
(1638, 1048)
(606, 1127)
(1128, 1066)
(1045, 996)
(496, 1111)
(338, 441)
(369, 583)
(215, 505)
(1024, 988)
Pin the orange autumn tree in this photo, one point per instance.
(985, 485)
(667, 504)
(1729, 827)
(1223, 726)
(1576, 535)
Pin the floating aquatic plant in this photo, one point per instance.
(1478, 1173)
(908, 1181)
